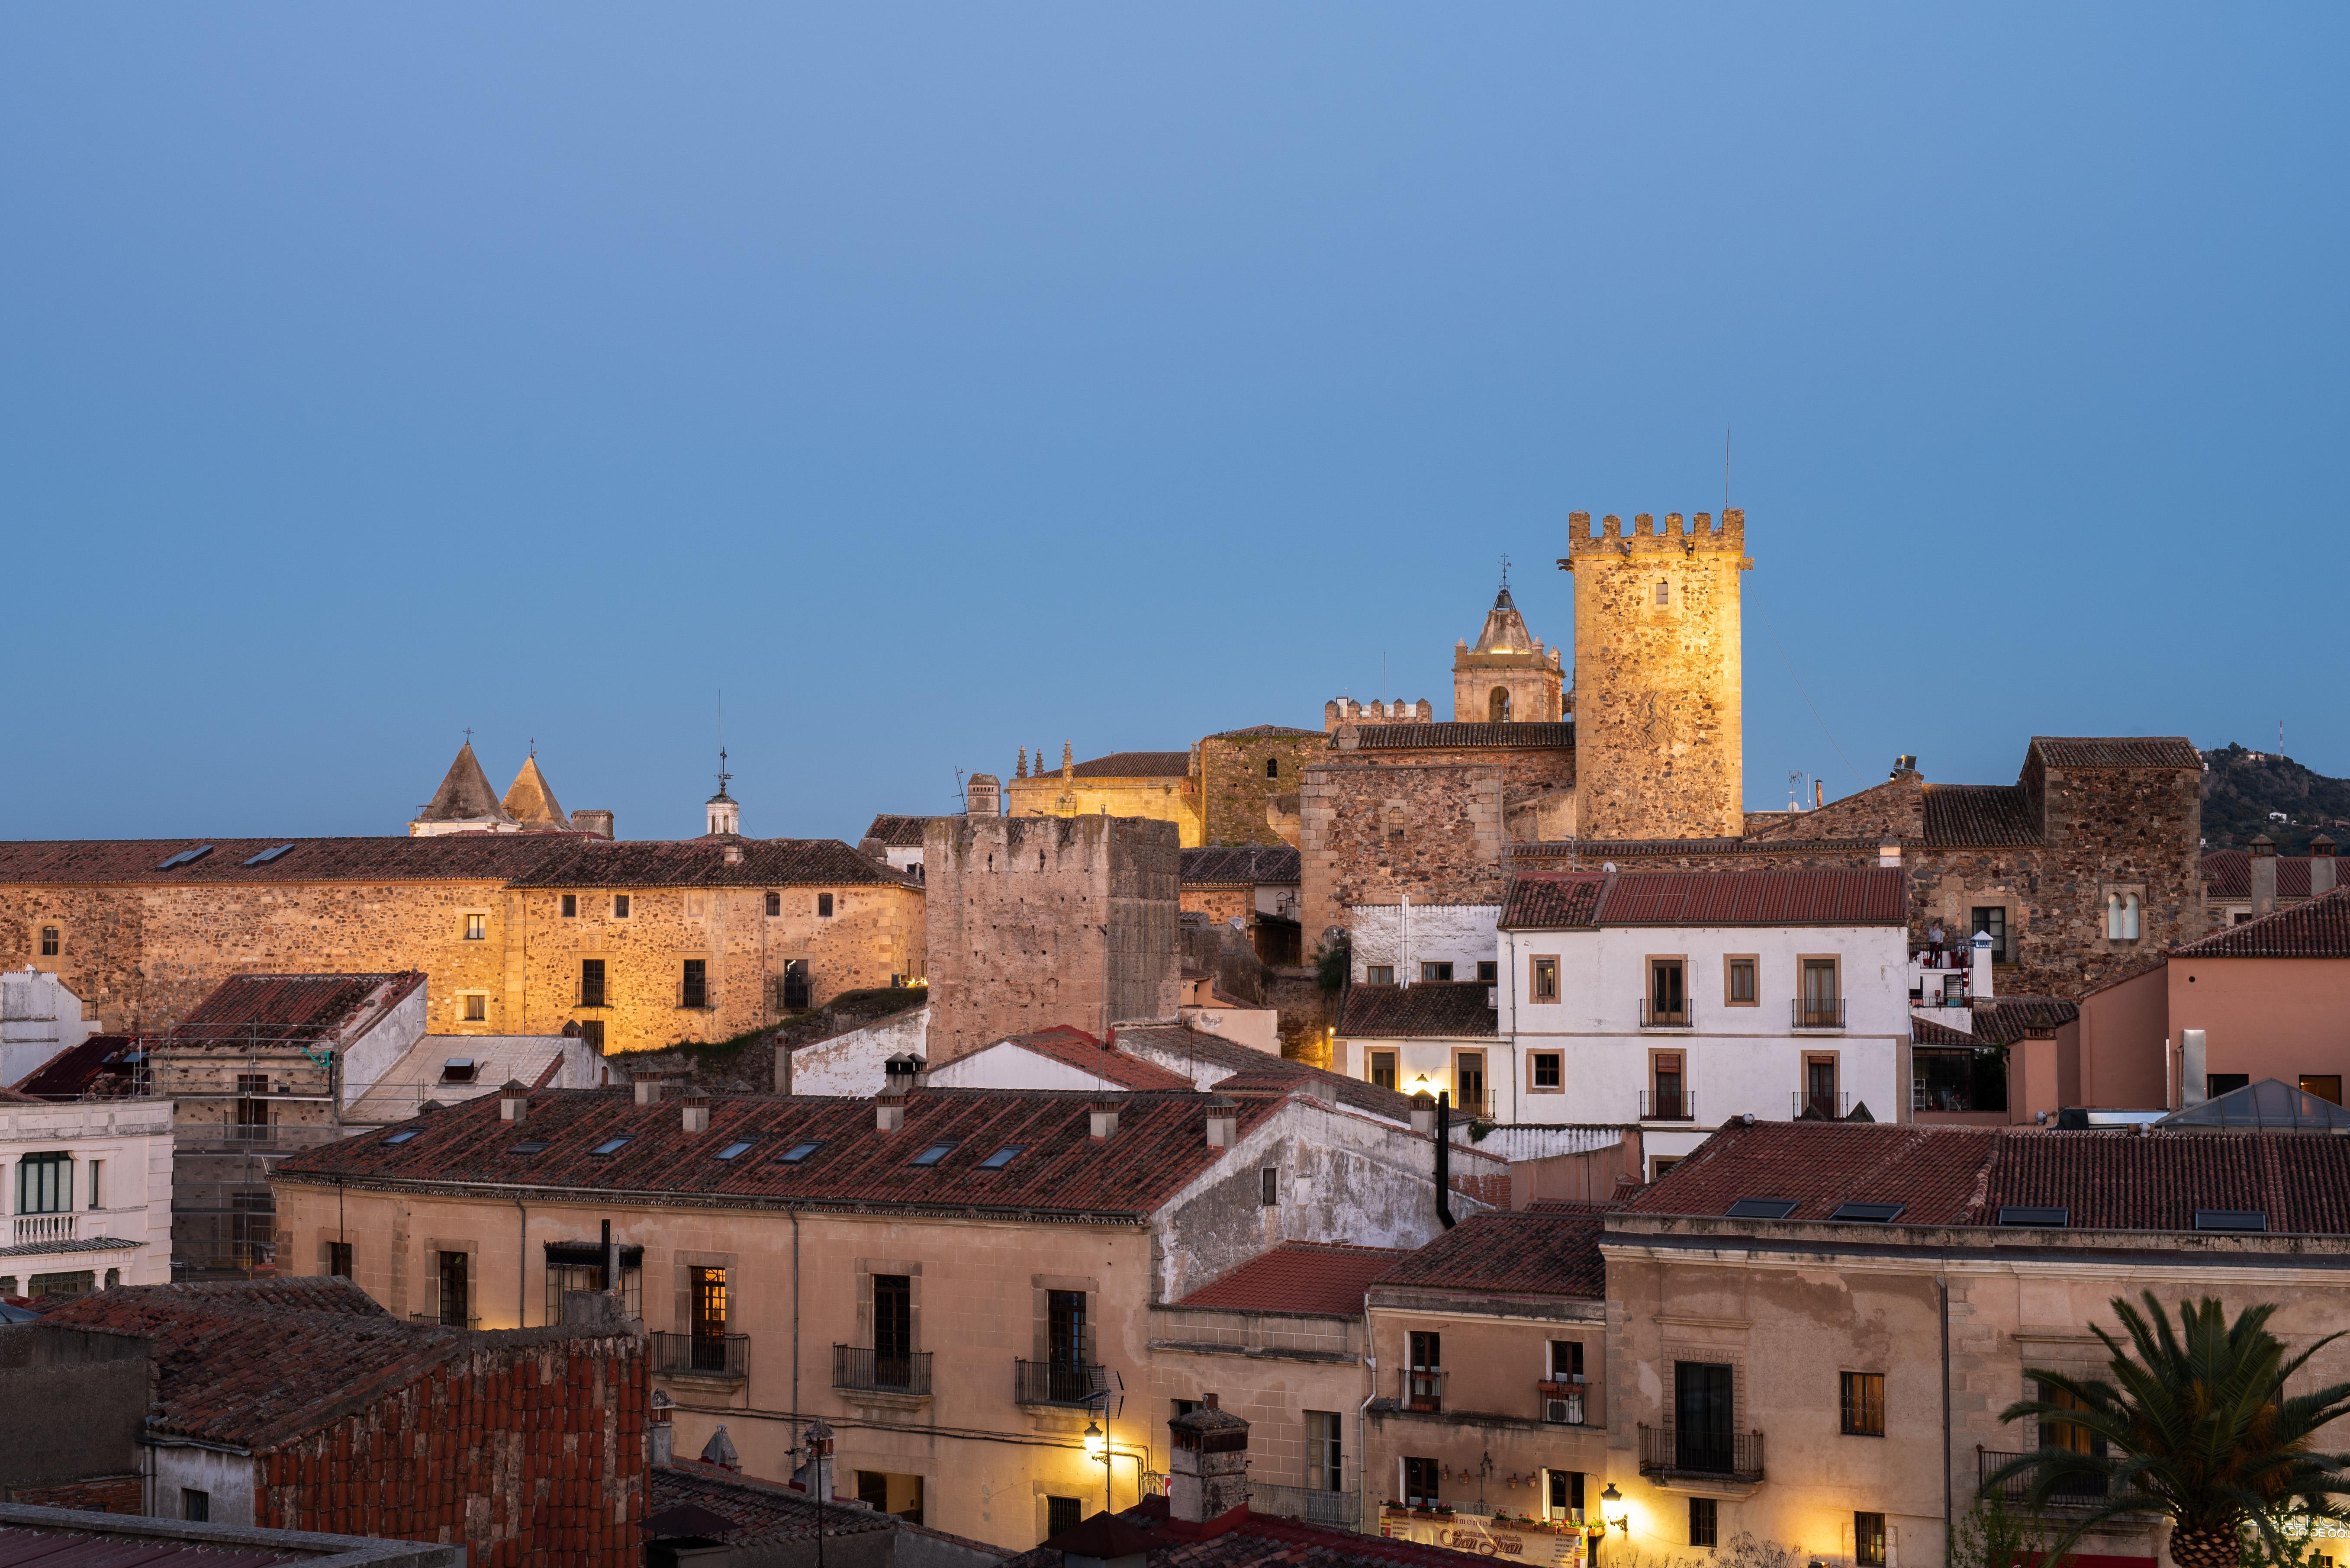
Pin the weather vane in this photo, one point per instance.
(722, 775)
(1506, 571)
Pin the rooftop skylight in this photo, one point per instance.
(801, 1150)
(267, 855)
(1760, 1209)
(610, 1146)
(403, 1135)
(2033, 1214)
(1868, 1213)
(2232, 1220)
(734, 1148)
(1002, 1157)
(935, 1153)
(184, 858)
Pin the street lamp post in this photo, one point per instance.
(1097, 1448)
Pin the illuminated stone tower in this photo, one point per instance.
(1509, 677)
(1659, 744)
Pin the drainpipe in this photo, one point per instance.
(1943, 1290)
(1444, 1158)
(796, 1327)
(522, 1265)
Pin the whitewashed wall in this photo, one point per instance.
(1462, 935)
(850, 1064)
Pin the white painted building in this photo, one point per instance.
(1682, 1000)
(1406, 943)
(87, 1188)
(39, 1018)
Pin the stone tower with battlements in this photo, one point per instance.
(1657, 717)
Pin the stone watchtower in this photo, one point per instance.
(1207, 1463)
(1509, 677)
(1659, 735)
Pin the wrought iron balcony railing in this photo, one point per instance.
(1668, 1450)
(1655, 1014)
(1342, 1509)
(1812, 1107)
(1057, 1383)
(1815, 1012)
(2073, 1491)
(856, 1366)
(702, 1355)
(1667, 1105)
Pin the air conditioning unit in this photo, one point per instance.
(1567, 1409)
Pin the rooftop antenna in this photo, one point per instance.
(1725, 468)
(1506, 571)
(722, 775)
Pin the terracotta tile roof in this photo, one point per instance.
(2230, 871)
(465, 795)
(448, 857)
(1308, 1278)
(2004, 1020)
(2117, 751)
(1552, 901)
(72, 1072)
(759, 1509)
(1125, 765)
(1925, 1031)
(49, 1546)
(1072, 1045)
(1984, 815)
(1261, 732)
(1431, 1008)
(530, 799)
(701, 863)
(1965, 1175)
(253, 1368)
(1424, 737)
(1548, 1249)
(1160, 1145)
(2316, 927)
(1240, 865)
(1878, 896)
(247, 1009)
(1220, 1061)
(897, 832)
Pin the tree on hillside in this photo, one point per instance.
(2194, 1424)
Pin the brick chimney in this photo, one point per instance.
(1103, 1114)
(514, 1101)
(1207, 1463)
(2263, 852)
(2321, 866)
(697, 1112)
(888, 1111)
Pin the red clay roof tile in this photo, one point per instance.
(1436, 1008)
(1315, 1279)
(2318, 928)
(1548, 1249)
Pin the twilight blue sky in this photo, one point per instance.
(938, 380)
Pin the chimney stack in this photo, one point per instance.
(648, 1091)
(901, 1073)
(597, 823)
(982, 795)
(1223, 1122)
(1104, 1115)
(697, 1112)
(2263, 852)
(2321, 866)
(661, 1435)
(514, 1101)
(888, 1111)
(1207, 1463)
(1423, 1114)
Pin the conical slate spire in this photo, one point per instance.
(531, 800)
(465, 795)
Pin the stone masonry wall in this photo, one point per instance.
(529, 1450)
(1658, 713)
(144, 956)
(1035, 921)
(1234, 788)
(1377, 833)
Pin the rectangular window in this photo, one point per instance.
(338, 1259)
(1272, 1186)
(49, 941)
(74, 1284)
(1668, 996)
(1704, 1427)
(1739, 988)
(1426, 1371)
(569, 1268)
(1544, 985)
(1326, 1467)
(620, 906)
(823, 906)
(796, 984)
(477, 1007)
(96, 1187)
(1378, 974)
(570, 906)
(2214, 1084)
(1546, 1071)
(477, 928)
(1489, 971)
(1567, 1360)
(1820, 1088)
(693, 988)
(893, 1331)
(1992, 919)
(774, 903)
(592, 983)
(1566, 1499)
(1705, 1522)
(1064, 1328)
(1062, 1514)
(2065, 1434)
(1667, 1101)
(1869, 1540)
(1469, 1081)
(453, 1302)
(2326, 1086)
(1864, 1404)
(1818, 1006)
(196, 1506)
(1422, 1481)
(1383, 1069)
(45, 1184)
(708, 1324)
(253, 1105)
(1185, 1407)
(1434, 972)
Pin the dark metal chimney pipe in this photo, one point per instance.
(611, 1262)
(1444, 1158)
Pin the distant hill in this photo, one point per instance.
(2240, 788)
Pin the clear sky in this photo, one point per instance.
(939, 380)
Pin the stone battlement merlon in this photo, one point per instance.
(1701, 532)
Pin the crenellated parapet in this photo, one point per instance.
(1700, 532)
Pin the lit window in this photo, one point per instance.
(801, 1150)
(1546, 980)
(933, 1155)
(477, 928)
(477, 1007)
(738, 1147)
(1864, 1404)
(49, 941)
(610, 1146)
(1869, 1540)
(1001, 1157)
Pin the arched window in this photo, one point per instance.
(2113, 916)
(1273, 767)
(1498, 705)
(2122, 917)
(2130, 916)
(1663, 592)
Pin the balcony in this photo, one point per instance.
(1815, 1012)
(1562, 1400)
(1668, 1453)
(1654, 1014)
(873, 1372)
(722, 1356)
(1812, 1107)
(1667, 1105)
(1423, 1390)
(2076, 1491)
(42, 1230)
(1075, 1384)
(1341, 1509)
(589, 994)
(693, 996)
